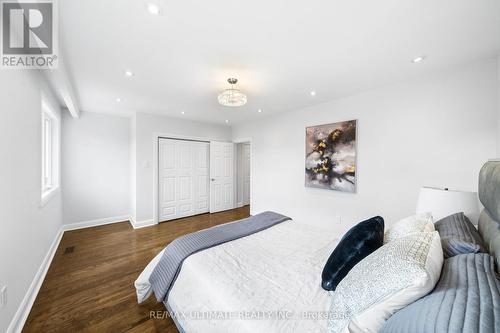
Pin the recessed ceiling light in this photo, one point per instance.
(313, 93)
(418, 59)
(118, 100)
(259, 110)
(153, 9)
(182, 112)
(129, 73)
(227, 121)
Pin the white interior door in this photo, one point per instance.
(221, 176)
(245, 170)
(183, 178)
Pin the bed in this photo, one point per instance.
(250, 277)
(273, 277)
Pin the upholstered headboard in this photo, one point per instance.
(489, 220)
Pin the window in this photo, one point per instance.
(50, 152)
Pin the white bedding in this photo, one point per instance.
(142, 286)
(254, 278)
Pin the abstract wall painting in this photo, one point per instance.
(331, 156)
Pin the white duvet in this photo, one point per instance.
(267, 282)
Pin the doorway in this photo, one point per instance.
(243, 173)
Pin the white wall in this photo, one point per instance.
(498, 105)
(133, 169)
(146, 126)
(435, 130)
(28, 229)
(95, 167)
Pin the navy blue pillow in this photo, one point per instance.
(361, 240)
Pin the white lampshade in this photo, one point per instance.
(443, 202)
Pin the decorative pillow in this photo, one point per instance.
(458, 235)
(361, 240)
(386, 281)
(422, 222)
(466, 299)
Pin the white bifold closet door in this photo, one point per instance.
(221, 176)
(183, 175)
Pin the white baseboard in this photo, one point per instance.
(95, 223)
(17, 323)
(141, 224)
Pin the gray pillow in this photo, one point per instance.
(458, 235)
(465, 299)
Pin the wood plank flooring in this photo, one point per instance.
(90, 284)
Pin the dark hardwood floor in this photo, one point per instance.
(90, 284)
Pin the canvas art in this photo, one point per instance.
(331, 156)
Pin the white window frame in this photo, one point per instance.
(51, 131)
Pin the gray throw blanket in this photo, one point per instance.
(465, 300)
(169, 266)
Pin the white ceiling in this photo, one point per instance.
(279, 50)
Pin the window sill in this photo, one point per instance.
(47, 196)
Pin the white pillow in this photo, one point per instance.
(422, 222)
(395, 275)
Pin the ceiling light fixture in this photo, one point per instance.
(129, 73)
(313, 93)
(153, 9)
(118, 100)
(182, 112)
(227, 121)
(259, 110)
(232, 96)
(419, 59)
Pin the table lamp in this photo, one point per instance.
(442, 202)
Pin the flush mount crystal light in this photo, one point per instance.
(232, 96)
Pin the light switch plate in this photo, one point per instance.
(3, 296)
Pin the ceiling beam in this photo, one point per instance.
(61, 84)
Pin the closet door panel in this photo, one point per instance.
(183, 175)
